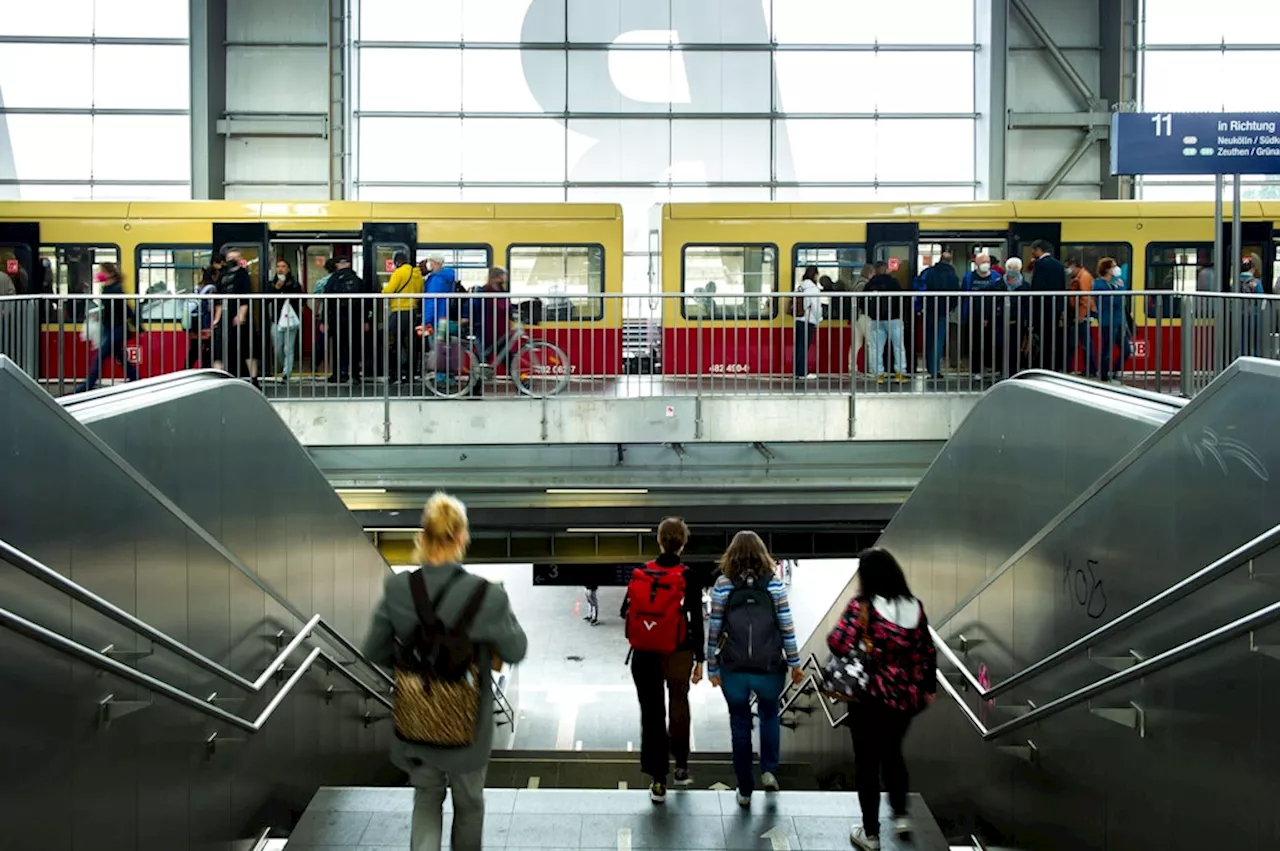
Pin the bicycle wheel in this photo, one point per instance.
(452, 375)
(540, 369)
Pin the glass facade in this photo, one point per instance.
(1199, 57)
(643, 101)
(99, 105)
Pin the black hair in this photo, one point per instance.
(218, 258)
(811, 273)
(331, 265)
(880, 575)
(400, 258)
(1044, 245)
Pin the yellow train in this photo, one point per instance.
(567, 254)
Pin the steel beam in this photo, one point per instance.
(991, 77)
(1077, 153)
(1054, 120)
(1087, 97)
(208, 97)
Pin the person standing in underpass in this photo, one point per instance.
(663, 615)
(751, 642)
(885, 627)
(448, 593)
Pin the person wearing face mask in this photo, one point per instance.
(981, 332)
(1251, 284)
(117, 317)
(1113, 326)
(286, 317)
(1079, 311)
(1011, 317)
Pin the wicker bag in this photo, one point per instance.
(437, 691)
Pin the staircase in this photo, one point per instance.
(363, 819)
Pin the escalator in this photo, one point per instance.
(1164, 560)
(179, 587)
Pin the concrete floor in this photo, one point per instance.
(575, 690)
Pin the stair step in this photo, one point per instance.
(603, 770)
(570, 819)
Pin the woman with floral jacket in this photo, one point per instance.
(901, 681)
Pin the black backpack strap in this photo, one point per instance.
(472, 608)
(422, 600)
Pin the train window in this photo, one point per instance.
(563, 276)
(70, 269)
(840, 263)
(470, 263)
(735, 281)
(1089, 254)
(1177, 267)
(171, 268)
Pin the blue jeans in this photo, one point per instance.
(935, 339)
(883, 330)
(738, 688)
(1111, 338)
(112, 344)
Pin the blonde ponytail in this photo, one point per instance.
(445, 534)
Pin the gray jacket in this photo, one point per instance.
(495, 629)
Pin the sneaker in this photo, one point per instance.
(881, 379)
(770, 782)
(860, 838)
(813, 376)
(900, 378)
(744, 801)
(901, 825)
(683, 778)
(658, 793)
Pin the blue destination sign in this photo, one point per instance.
(1195, 143)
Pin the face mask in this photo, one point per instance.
(281, 277)
(1013, 279)
(100, 277)
(984, 268)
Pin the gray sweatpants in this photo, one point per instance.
(430, 785)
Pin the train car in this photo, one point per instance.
(732, 260)
(566, 255)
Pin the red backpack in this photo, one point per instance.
(656, 622)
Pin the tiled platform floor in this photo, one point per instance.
(378, 820)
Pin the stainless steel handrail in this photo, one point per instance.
(51, 639)
(1237, 558)
(811, 684)
(1209, 640)
(77, 592)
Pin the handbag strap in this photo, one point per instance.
(864, 625)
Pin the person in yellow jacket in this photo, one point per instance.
(402, 340)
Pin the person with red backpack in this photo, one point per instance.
(663, 615)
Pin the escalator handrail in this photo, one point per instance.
(142, 387)
(1233, 560)
(1161, 400)
(79, 593)
(65, 645)
(1187, 650)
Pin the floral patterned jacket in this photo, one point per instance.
(903, 662)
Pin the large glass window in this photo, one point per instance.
(803, 100)
(565, 277)
(469, 263)
(731, 281)
(85, 114)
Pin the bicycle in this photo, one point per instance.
(538, 368)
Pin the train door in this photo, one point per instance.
(895, 243)
(20, 320)
(1023, 234)
(1250, 328)
(969, 340)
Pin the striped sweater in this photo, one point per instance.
(720, 596)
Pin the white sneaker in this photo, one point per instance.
(769, 782)
(859, 837)
(901, 825)
(744, 801)
(813, 376)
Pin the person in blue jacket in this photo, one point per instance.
(1113, 326)
(436, 327)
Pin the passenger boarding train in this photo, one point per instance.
(567, 254)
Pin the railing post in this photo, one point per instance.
(1187, 370)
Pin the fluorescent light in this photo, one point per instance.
(359, 490)
(597, 490)
(622, 530)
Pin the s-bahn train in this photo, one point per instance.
(720, 267)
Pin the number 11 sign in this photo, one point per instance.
(1195, 143)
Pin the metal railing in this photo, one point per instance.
(103, 659)
(639, 345)
(82, 595)
(1230, 562)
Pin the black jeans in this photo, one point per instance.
(877, 750)
(662, 680)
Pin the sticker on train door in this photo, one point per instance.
(390, 265)
(11, 266)
(1139, 349)
(133, 354)
(894, 264)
